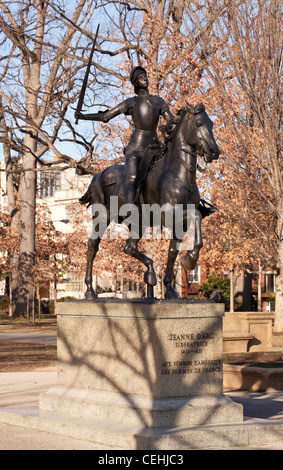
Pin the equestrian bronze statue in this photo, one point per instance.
(145, 111)
(154, 173)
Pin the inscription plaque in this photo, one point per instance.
(158, 350)
(193, 360)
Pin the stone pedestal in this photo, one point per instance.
(256, 327)
(148, 364)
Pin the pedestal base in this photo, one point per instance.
(154, 364)
(142, 411)
(251, 433)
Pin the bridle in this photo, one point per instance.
(187, 148)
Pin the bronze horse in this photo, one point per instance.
(171, 179)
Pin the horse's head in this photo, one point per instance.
(199, 134)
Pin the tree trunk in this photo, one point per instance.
(27, 234)
(13, 212)
(278, 323)
(10, 296)
(259, 298)
(231, 291)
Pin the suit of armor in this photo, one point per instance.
(145, 110)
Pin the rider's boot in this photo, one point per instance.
(131, 195)
(130, 191)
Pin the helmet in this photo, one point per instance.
(135, 73)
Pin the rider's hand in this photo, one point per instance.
(171, 126)
(101, 116)
(79, 115)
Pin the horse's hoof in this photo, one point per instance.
(90, 295)
(150, 277)
(189, 262)
(171, 294)
(150, 292)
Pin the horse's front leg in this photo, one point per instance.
(173, 251)
(92, 249)
(191, 257)
(131, 249)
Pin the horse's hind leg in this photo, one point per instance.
(173, 251)
(191, 257)
(100, 222)
(92, 249)
(131, 249)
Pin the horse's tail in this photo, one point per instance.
(94, 193)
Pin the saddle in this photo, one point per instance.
(112, 174)
(151, 155)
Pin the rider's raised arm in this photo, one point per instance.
(105, 116)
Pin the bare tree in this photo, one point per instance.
(245, 76)
(46, 45)
(153, 33)
(42, 54)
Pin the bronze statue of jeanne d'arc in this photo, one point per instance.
(171, 176)
(145, 110)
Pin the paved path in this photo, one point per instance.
(22, 389)
(17, 438)
(46, 338)
(260, 405)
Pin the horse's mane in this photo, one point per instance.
(169, 130)
(192, 109)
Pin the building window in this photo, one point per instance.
(194, 275)
(269, 283)
(49, 182)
